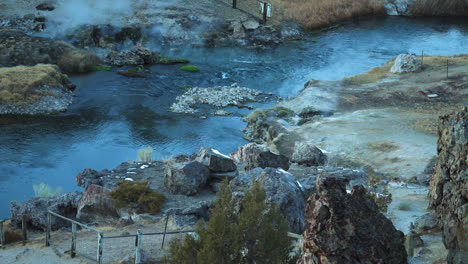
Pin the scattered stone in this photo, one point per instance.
(258, 156)
(348, 228)
(222, 113)
(191, 215)
(96, 206)
(46, 6)
(309, 155)
(251, 24)
(36, 211)
(406, 63)
(125, 221)
(215, 160)
(281, 189)
(448, 194)
(186, 178)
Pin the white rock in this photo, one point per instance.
(251, 24)
(405, 63)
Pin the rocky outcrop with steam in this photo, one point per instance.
(449, 186)
(18, 48)
(348, 228)
(41, 89)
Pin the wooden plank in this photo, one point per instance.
(138, 248)
(24, 228)
(73, 242)
(165, 230)
(48, 229)
(99, 248)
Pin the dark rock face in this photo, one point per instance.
(425, 222)
(18, 48)
(309, 155)
(448, 194)
(46, 6)
(36, 211)
(257, 156)
(281, 189)
(348, 228)
(186, 178)
(215, 160)
(96, 206)
(192, 214)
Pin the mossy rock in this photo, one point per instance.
(170, 61)
(190, 68)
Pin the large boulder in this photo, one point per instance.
(448, 193)
(186, 178)
(405, 63)
(309, 155)
(36, 211)
(258, 156)
(18, 48)
(281, 190)
(348, 228)
(215, 160)
(136, 56)
(41, 89)
(97, 206)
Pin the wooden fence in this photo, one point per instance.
(265, 8)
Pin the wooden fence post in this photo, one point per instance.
(2, 235)
(49, 226)
(24, 229)
(164, 235)
(234, 3)
(410, 244)
(138, 248)
(73, 243)
(265, 6)
(99, 249)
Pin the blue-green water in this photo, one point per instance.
(113, 116)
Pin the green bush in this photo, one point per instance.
(137, 196)
(12, 236)
(190, 68)
(404, 206)
(145, 154)
(258, 234)
(43, 190)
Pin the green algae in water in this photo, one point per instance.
(190, 68)
(169, 61)
(102, 68)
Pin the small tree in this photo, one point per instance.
(258, 234)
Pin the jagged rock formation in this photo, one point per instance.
(405, 63)
(348, 228)
(448, 193)
(258, 156)
(309, 155)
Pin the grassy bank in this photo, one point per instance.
(439, 8)
(311, 14)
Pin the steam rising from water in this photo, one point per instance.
(71, 13)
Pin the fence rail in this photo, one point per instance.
(265, 9)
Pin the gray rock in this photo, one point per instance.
(192, 214)
(281, 190)
(137, 56)
(36, 211)
(425, 222)
(186, 178)
(46, 6)
(405, 63)
(258, 156)
(309, 155)
(97, 207)
(215, 160)
(125, 221)
(251, 24)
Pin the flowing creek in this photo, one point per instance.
(113, 116)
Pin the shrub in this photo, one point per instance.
(439, 8)
(137, 196)
(78, 61)
(12, 236)
(404, 206)
(258, 234)
(44, 191)
(190, 68)
(145, 154)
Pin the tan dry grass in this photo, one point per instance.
(439, 8)
(372, 76)
(321, 13)
(19, 84)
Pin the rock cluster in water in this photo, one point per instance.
(448, 193)
(218, 97)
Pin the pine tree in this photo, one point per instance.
(258, 235)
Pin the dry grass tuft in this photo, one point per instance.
(19, 84)
(374, 75)
(78, 61)
(439, 8)
(321, 13)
